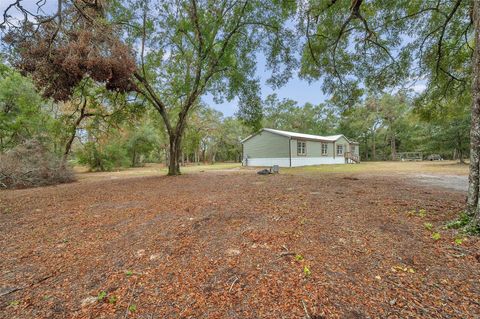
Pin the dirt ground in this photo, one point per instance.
(233, 244)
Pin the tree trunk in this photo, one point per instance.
(473, 178)
(134, 158)
(68, 145)
(166, 151)
(460, 157)
(174, 155)
(366, 147)
(374, 147)
(393, 146)
(214, 157)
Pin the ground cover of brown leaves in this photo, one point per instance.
(236, 245)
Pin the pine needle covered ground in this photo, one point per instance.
(233, 244)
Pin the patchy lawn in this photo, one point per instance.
(425, 167)
(232, 244)
(149, 170)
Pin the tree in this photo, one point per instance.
(23, 114)
(287, 115)
(392, 110)
(360, 124)
(447, 124)
(183, 49)
(360, 44)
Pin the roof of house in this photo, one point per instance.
(330, 138)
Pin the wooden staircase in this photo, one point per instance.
(351, 158)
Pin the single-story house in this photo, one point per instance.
(270, 147)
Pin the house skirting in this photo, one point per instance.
(296, 161)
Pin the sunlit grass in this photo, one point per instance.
(441, 167)
(150, 170)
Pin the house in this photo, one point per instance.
(270, 147)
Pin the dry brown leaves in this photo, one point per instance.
(213, 245)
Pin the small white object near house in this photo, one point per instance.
(269, 147)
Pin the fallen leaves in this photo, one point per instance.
(403, 268)
(211, 246)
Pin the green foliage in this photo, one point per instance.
(107, 157)
(23, 114)
(446, 125)
(298, 257)
(306, 271)
(211, 137)
(129, 273)
(355, 46)
(436, 236)
(462, 221)
(428, 226)
(139, 144)
(287, 115)
(101, 295)
(132, 308)
(422, 212)
(465, 224)
(112, 300)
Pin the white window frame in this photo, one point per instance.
(324, 149)
(301, 148)
(340, 150)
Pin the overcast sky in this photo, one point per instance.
(296, 89)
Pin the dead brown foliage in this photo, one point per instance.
(31, 164)
(58, 55)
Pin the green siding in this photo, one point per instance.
(314, 149)
(266, 145)
(269, 145)
(344, 142)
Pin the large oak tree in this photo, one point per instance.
(170, 53)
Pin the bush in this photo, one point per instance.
(30, 164)
(465, 224)
(103, 158)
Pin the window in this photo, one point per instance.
(339, 150)
(352, 148)
(301, 148)
(324, 149)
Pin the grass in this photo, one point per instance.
(443, 167)
(149, 170)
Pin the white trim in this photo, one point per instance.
(296, 161)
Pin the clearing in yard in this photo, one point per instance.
(367, 241)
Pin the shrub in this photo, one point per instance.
(31, 164)
(103, 157)
(465, 224)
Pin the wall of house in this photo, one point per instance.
(314, 154)
(266, 145)
(268, 149)
(314, 149)
(344, 142)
